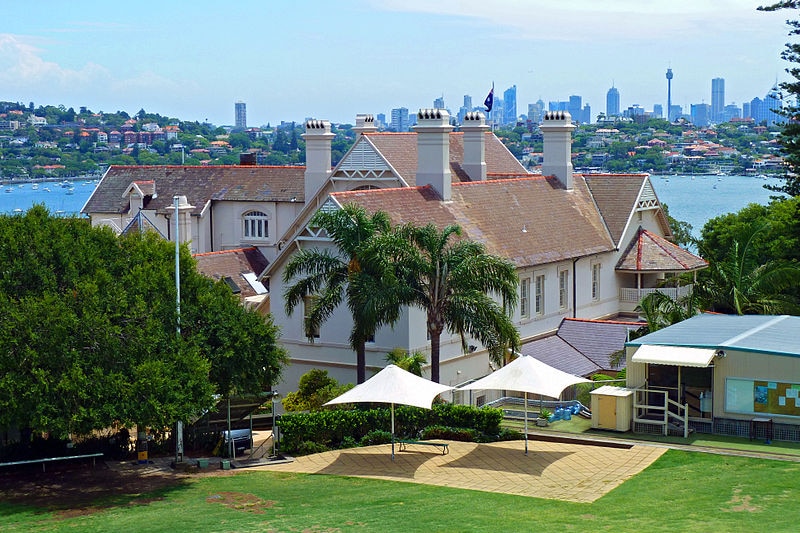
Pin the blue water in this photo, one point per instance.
(21, 197)
(693, 200)
(697, 199)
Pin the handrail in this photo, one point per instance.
(682, 414)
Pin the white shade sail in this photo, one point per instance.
(673, 355)
(527, 374)
(394, 385)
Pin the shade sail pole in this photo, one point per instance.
(392, 432)
(526, 422)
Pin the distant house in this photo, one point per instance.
(729, 375)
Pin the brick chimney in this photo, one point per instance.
(475, 128)
(433, 150)
(318, 139)
(364, 124)
(557, 132)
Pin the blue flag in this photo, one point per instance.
(489, 100)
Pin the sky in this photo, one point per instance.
(289, 60)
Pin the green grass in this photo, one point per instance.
(682, 491)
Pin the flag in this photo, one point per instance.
(489, 100)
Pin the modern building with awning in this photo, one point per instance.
(724, 374)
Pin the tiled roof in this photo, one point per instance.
(556, 352)
(615, 195)
(529, 220)
(582, 347)
(648, 252)
(199, 184)
(597, 339)
(400, 150)
(233, 264)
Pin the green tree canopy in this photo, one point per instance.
(88, 337)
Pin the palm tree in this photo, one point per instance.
(745, 284)
(331, 277)
(412, 362)
(453, 282)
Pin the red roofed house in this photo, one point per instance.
(585, 246)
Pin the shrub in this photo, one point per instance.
(308, 447)
(376, 436)
(450, 433)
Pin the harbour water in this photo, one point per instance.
(60, 197)
(698, 199)
(692, 199)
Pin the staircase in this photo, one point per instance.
(655, 412)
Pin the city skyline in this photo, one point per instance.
(308, 59)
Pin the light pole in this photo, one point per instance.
(275, 396)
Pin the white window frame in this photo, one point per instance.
(525, 298)
(596, 281)
(538, 294)
(563, 289)
(255, 225)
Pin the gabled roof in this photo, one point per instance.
(529, 220)
(582, 347)
(233, 264)
(648, 252)
(768, 334)
(200, 185)
(400, 151)
(616, 196)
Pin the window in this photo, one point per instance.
(525, 298)
(256, 225)
(308, 303)
(538, 297)
(596, 281)
(563, 289)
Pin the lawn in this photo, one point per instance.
(682, 491)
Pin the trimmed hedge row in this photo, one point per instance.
(340, 428)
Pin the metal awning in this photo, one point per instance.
(673, 355)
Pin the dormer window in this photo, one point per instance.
(256, 225)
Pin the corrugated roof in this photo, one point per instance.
(200, 185)
(771, 334)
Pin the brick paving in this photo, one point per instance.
(579, 472)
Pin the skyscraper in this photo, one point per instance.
(400, 119)
(510, 105)
(612, 102)
(669, 95)
(438, 103)
(468, 102)
(717, 99)
(240, 115)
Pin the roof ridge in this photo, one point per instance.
(220, 252)
(601, 321)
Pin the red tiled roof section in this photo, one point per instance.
(648, 252)
(400, 150)
(200, 185)
(233, 263)
(528, 220)
(615, 195)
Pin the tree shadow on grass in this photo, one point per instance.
(76, 490)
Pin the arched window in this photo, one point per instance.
(256, 225)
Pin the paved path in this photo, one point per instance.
(556, 470)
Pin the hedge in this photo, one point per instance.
(333, 428)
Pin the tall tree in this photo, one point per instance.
(88, 335)
(454, 282)
(790, 130)
(328, 278)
